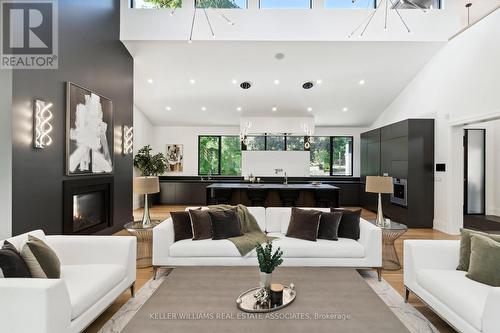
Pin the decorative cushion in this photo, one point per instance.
(42, 261)
(465, 246)
(484, 263)
(12, 265)
(329, 225)
(200, 224)
(225, 223)
(182, 225)
(304, 224)
(349, 224)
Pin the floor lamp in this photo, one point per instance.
(377, 184)
(146, 186)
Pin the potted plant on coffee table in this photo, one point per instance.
(268, 262)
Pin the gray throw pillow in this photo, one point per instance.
(465, 246)
(201, 224)
(225, 224)
(484, 264)
(304, 224)
(42, 261)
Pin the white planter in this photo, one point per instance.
(265, 280)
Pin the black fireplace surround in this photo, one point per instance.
(88, 205)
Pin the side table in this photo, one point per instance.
(390, 233)
(144, 236)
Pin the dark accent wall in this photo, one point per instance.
(90, 54)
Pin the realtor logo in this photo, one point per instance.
(29, 38)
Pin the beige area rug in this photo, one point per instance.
(362, 303)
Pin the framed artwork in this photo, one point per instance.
(89, 132)
(175, 157)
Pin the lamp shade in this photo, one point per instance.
(377, 184)
(146, 185)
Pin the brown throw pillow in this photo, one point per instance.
(465, 246)
(329, 225)
(304, 224)
(12, 265)
(349, 224)
(42, 261)
(201, 224)
(484, 264)
(225, 223)
(182, 225)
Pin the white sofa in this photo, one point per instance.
(430, 273)
(364, 253)
(95, 270)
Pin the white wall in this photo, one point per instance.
(495, 205)
(188, 136)
(143, 135)
(458, 86)
(5, 153)
(265, 163)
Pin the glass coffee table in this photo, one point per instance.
(144, 236)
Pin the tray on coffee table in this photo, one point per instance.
(246, 301)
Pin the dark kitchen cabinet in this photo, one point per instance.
(406, 151)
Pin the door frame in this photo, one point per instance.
(466, 169)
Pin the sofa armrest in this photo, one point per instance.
(163, 238)
(95, 250)
(491, 319)
(34, 305)
(371, 238)
(428, 254)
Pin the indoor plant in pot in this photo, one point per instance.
(268, 261)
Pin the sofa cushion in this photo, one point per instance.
(465, 246)
(201, 224)
(304, 224)
(349, 223)
(204, 248)
(41, 260)
(278, 218)
(225, 224)
(182, 225)
(12, 265)
(20, 240)
(87, 284)
(484, 264)
(463, 296)
(329, 226)
(298, 248)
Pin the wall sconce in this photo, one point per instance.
(128, 140)
(42, 126)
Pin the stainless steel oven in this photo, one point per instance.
(400, 195)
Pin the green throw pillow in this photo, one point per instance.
(484, 264)
(42, 261)
(465, 245)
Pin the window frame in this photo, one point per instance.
(196, 1)
(351, 174)
(219, 154)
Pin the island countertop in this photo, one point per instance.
(272, 186)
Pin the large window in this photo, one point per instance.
(294, 143)
(221, 3)
(172, 4)
(219, 155)
(363, 4)
(275, 142)
(305, 4)
(256, 143)
(341, 156)
(320, 156)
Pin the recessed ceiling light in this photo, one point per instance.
(361, 82)
(150, 81)
(345, 109)
(168, 108)
(203, 108)
(192, 81)
(276, 81)
(279, 56)
(234, 81)
(308, 85)
(274, 109)
(319, 81)
(238, 109)
(309, 109)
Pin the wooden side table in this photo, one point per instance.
(390, 233)
(144, 236)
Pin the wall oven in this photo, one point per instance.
(400, 195)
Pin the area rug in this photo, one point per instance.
(343, 314)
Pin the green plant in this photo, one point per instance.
(166, 3)
(149, 165)
(268, 261)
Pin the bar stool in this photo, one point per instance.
(289, 197)
(223, 196)
(324, 198)
(257, 196)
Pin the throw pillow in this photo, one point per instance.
(349, 223)
(304, 224)
(484, 264)
(182, 225)
(465, 246)
(42, 261)
(12, 265)
(201, 224)
(329, 225)
(225, 223)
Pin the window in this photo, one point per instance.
(305, 4)
(256, 143)
(274, 142)
(157, 4)
(418, 4)
(221, 3)
(363, 4)
(320, 156)
(342, 156)
(219, 155)
(294, 143)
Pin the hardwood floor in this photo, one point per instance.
(394, 278)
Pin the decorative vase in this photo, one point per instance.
(265, 280)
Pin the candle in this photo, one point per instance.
(276, 291)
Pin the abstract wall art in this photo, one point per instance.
(175, 158)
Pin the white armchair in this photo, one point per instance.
(95, 270)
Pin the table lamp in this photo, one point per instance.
(146, 185)
(377, 184)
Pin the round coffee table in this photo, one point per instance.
(390, 233)
(144, 236)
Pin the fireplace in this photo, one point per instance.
(88, 205)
